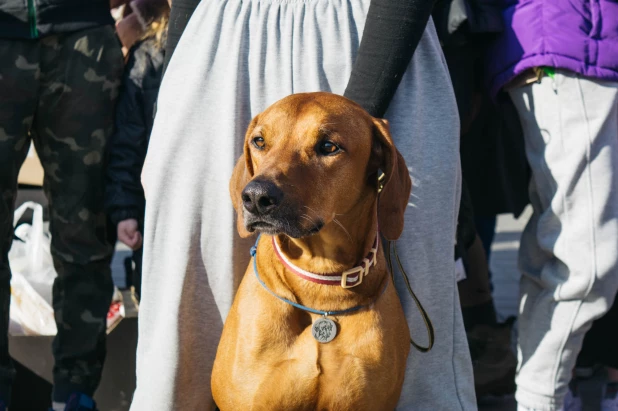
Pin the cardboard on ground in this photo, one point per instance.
(31, 172)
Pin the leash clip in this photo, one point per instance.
(381, 182)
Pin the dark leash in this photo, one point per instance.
(426, 319)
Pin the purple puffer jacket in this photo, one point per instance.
(577, 35)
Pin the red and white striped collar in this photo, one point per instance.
(347, 279)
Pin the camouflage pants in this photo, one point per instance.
(60, 91)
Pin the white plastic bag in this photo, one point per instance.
(30, 255)
(33, 276)
(30, 313)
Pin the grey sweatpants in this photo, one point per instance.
(569, 249)
(235, 58)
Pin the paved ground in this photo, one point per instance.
(504, 263)
(506, 285)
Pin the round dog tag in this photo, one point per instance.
(324, 330)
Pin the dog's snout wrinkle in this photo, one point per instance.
(261, 197)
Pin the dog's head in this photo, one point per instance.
(310, 157)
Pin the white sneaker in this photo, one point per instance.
(610, 399)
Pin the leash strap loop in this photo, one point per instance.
(426, 319)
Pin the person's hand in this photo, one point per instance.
(128, 233)
(129, 31)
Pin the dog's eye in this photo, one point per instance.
(258, 142)
(328, 147)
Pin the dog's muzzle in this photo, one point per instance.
(265, 211)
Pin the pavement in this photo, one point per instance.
(505, 277)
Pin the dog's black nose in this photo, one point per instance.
(261, 197)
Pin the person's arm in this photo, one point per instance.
(124, 197)
(181, 12)
(392, 32)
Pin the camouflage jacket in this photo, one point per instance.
(30, 19)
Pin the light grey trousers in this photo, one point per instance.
(569, 249)
(235, 58)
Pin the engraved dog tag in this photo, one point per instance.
(324, 330)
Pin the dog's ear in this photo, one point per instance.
(393, 198)
(242, 174)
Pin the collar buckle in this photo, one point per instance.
(358, 269)
(362, 269)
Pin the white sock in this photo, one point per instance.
(58, 406)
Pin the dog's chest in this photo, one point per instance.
(310, 375)
(269, 359)
(337, 375)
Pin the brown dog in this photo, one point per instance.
(309, 178)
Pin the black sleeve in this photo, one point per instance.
(124, 196)
(392, 32)
(181, 12)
